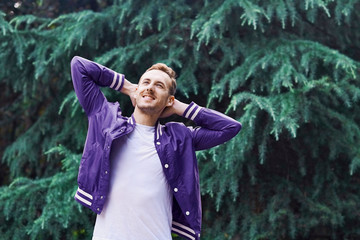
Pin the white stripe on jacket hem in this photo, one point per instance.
(88, 195)
(183, 233)
(183, 226)
(83, 200)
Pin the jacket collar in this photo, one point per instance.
(131, 120)
(158, 131)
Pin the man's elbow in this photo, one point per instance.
(231, 131)
(74, 61)
(237, 127)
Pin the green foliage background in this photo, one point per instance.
(288, 70)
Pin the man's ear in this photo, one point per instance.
(170, 101)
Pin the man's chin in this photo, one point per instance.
(148, 109)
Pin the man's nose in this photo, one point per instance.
(149, 88)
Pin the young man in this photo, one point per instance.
(139, 176)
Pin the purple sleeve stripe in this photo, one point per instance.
(122, 82)
(197, 110)
(114, 80)
(189, 110)
(192, 111)
(118, 82)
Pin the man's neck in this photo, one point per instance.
(144, 118)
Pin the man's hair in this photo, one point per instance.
(169, 71)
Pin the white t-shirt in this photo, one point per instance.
(139, 204)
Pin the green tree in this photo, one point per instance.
(288, 70)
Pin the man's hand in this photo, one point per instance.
(177, 108)
(132, 95)
(130, 90)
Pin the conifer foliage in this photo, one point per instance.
(287, 70)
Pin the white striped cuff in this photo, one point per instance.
(118, 81)
(192, 111)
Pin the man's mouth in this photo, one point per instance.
(147, 96)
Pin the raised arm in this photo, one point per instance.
(213, 128)
(89, 76)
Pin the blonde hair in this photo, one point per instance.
(169, 71)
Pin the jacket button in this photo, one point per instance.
(175, 189)
(108, 147)
(98, 209)
(106, 172)
(187, 213)
(158, 143)
(101, 197)
(166, 165)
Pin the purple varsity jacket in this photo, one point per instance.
(175, 144)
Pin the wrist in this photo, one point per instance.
(128, 88)
(180, 107)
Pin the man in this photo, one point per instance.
(139, 176)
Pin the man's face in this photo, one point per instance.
(153, 92)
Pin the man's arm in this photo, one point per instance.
(88, 77)
(213, 128)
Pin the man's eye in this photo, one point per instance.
(160, 85)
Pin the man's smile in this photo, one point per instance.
(148, 96)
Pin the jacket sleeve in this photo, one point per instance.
(88, 77)
(213, 128)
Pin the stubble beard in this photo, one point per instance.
(150, 110)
